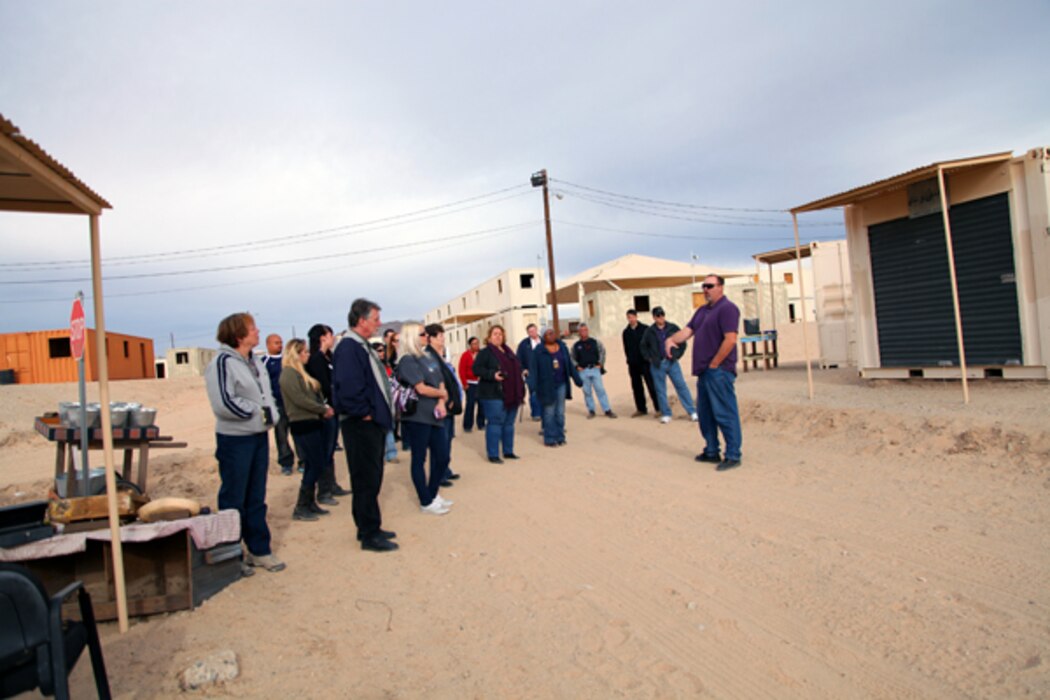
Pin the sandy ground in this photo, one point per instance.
(881, 540)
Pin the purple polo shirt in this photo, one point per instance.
(710, 325)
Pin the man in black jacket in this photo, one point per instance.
(361, 395)
(637, 366)
(664, 365)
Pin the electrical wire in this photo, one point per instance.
(220, 285)
(632, 232)
(668, 203)
(695, 219)
(247, 266)
(289, 239)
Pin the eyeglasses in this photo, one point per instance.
(708, 285)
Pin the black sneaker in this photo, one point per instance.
(727, 464)
(495, 460)
(338, 490)
(704, 457)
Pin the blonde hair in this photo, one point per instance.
(410, 344)
(290, 360)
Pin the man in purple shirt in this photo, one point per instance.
(715, 328)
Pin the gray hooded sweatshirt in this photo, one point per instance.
(238, 389)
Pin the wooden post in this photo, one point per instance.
(107, 426)
(802, 298)
(955, 284)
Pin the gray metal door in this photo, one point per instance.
(913, 302)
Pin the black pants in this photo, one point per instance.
(365, 443)
(285, 457)
(639, 372)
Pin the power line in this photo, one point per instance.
(695, 219)
(672, 235)
(668, 203)
(219, 285)
(279, 241)
(246, 266)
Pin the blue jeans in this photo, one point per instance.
(472, 409)
(391, 446)
(716, 396)
(661, 372)
(327, 478)
(592, 379)
(450, 433)
(535, 407)
(309, 438)
(421, 438)
(243, 460)
(499, 427)
(554, 418)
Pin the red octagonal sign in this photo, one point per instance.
(76, 330)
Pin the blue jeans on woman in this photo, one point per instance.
(661, 372)
(310, 444)
(499, 427)
(421, 438)
(554, 418)
(243, 461)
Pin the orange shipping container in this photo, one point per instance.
(45, 357)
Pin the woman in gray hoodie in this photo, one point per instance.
(239, 392)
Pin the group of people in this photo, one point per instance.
(372, 394)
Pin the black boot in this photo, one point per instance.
(312, 504)
(329, 485)
(324, 495)
(302, 506)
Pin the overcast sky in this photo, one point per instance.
(211, 124)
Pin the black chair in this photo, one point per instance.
(37, 648)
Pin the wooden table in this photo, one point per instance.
(750, 352)
(128, 439)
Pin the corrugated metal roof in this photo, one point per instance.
(898, 181)
(771, 257)
(10, 130)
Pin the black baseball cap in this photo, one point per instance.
(659, 311)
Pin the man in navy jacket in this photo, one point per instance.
(524, 352)
(361, 394)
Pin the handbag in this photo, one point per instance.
(405, 399)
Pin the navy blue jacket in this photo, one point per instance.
(355, 392)
(273, 368)
(541, 374)
(524, 352)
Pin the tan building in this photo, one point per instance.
(906, 288)
(605, 292)
(513, 299)
(46, 357)
(187, 362)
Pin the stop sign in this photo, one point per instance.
(76, 330)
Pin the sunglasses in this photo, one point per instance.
(708, 285)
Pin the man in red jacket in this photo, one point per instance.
(470, 381)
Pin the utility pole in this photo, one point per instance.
(539, 179)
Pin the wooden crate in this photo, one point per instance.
(162, 575)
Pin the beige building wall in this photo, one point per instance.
(188, 362)
(1027, 183)
(605, 311)
(513, 299)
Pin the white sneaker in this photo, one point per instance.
(693, 417)
(435, 508)
(665, 419)
(443, 501)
